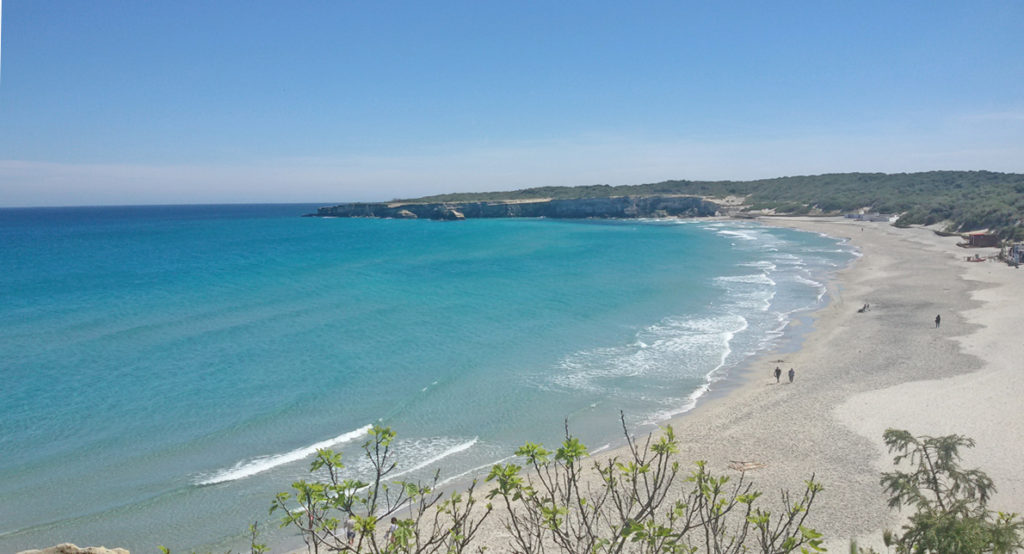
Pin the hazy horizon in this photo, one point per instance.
(198, 103)
(386, 200)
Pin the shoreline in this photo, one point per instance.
(612, 431)
(796, 332)
(860, 373)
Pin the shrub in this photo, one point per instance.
(950, 502)
(550, 506)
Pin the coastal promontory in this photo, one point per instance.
(618, 207)
(960, 200)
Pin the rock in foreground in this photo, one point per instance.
(68, 548)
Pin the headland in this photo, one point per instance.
(618, 207)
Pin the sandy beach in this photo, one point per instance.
(857, 374)
(860, 373)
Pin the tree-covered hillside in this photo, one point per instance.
(970, 200)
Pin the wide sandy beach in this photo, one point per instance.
(857, 374)
(860, 373)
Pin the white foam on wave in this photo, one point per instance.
(755, 296)
(711, 377)
(772, 334)
(786, 258)
(474, 470)
(754, 300)
(822, 289)
(743, 235)
(754, 291)
(752, 278)
(763, 265)
(697, 345)
(432, 460)
(427, 450)
(258, 465)
(808, 282)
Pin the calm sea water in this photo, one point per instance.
(165, 370)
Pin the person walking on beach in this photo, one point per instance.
(350, 530)
(792, 372)
(778, 373)
(390, 535)
(938, 319)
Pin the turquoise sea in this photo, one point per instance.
(165, 370)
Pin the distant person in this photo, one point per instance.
(792, 373)
(938, 319)
(778, 373)
(390, 535)
(350, 530)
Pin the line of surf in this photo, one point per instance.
(453, 450)
(709, 378)
(474, 470)
(244, 469)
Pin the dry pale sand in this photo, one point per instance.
(860, 373)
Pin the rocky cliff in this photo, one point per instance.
(619, 207)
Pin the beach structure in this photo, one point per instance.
(1014, 255)
(980, 240)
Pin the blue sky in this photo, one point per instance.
(105, 102)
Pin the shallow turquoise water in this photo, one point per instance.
(165, 370)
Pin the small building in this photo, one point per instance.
(1015, 256)
(979, 240)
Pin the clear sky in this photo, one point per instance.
(133, 102)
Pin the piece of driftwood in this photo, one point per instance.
(745, 466)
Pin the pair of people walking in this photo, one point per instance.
(778, 374)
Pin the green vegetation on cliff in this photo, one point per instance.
(970, 200)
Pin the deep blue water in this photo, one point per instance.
(165, 370)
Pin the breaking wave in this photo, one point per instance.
(248, 468)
